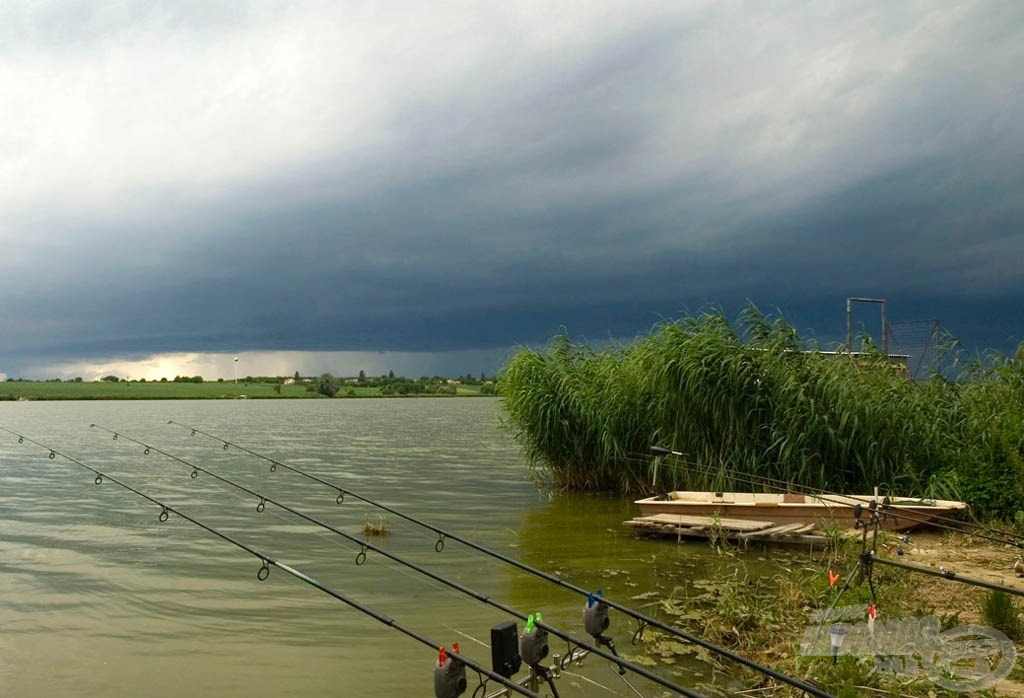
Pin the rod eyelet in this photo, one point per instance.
(195, 474)
(264, 572)
(273, 467)
(225, 445)
(52, 455)
(261, 506)
(115, 437)
(98, 480)
(439, 545)
(340, 499)
(145, 451)
(193, 432)
(164, 515)
(21, 439)
(361, 557)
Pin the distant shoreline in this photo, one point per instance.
(32, 391)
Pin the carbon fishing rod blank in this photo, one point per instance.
(361, 559)
(457, 666)
(643, 619)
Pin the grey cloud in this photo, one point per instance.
(600, 182)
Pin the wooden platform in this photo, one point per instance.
(746, 530)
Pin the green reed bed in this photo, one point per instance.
(751, 397)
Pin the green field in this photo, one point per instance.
(103, 390)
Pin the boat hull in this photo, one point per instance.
(826, 510)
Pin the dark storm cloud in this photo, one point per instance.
(599, 177)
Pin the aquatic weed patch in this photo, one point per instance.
(763, 606)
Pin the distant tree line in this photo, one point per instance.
(329, 385)
(389, 384)
(77, 379)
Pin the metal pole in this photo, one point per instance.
(849, 324)
(885, 333)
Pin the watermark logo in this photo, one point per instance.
(964, 658)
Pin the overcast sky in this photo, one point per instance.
(331, 186)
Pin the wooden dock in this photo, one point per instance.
(742, 530)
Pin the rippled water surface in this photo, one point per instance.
(99, 598)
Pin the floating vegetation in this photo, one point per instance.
(376, 529)
(753, 398)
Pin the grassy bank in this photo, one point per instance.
(767, 618)
(748, 398)
(211, 390)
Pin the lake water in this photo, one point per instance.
(99, 598)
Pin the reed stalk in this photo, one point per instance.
(750, 397)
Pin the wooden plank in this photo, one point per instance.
(655, 526)
(794, 537)
(706, 521)
(798, 535)
(803, 539)
(688, 532)
(781, 529)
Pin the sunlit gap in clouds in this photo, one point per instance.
(212, 366)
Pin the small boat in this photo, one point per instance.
(905, 513)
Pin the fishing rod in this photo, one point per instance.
(366, 545)
(269, 561)
(642, 619)
(947, 574)
(938, 521)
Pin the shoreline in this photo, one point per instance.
(767, 619)
(45, 391)
(130, 398)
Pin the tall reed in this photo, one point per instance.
(751, 398)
